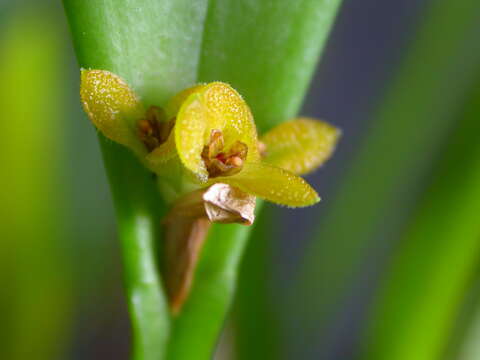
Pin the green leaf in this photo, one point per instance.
(34, 267)
(267, 50)
(153, 45)
(424, 288)
(378, 188)
(465, 345)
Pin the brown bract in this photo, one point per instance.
(187, 227)
(184, 240)
(226, 204)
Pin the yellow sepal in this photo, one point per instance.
(301, 145)
(273, 184)
(112, 107)
(215, 106)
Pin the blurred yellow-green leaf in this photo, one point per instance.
(36, 303)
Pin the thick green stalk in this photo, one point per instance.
(257, 323)
(424, 289)
(154, 46)
(34, 268)
(378, 188)
(195, 332)
(139, 211)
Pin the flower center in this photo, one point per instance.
(154, 128)
(220, 162)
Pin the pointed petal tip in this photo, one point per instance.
(273, 184)
(300, 145)
(310, 198)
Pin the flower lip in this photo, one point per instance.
(221, 162)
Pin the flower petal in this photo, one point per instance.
(189, 130)
(301, 145)
(272, 184)
(215, 106)
(229, 113)
(112, 107)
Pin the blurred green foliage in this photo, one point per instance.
(379, 188)
(436, 261)
(36, 301)
(465, 344)
(411, 188)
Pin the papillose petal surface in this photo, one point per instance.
(273, 184)
(112, 107)
(215, 106)
(301, 145)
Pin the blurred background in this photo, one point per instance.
(384, 267)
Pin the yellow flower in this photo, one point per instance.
(211, 130)
(203, 145)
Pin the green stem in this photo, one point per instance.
(139, 214)
(153, 46)
(195, 332)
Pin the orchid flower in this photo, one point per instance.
(210, 130)
(204, 147)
